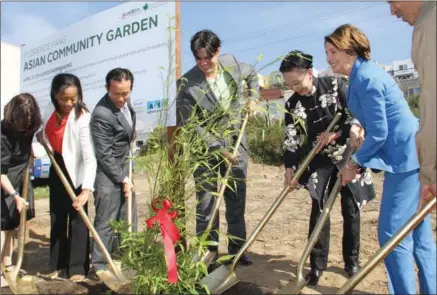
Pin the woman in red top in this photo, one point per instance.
(66, 129)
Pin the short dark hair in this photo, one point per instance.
(22, 114)
(119, 74)
(296, 59)
(205, 39)
(62, 81)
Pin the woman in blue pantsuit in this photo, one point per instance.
(389, 145)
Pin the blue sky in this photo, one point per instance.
(247, 29)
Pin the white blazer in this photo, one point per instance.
(77, 148)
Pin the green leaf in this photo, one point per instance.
(209, 243)
(225, 258)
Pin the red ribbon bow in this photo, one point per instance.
(170, 235)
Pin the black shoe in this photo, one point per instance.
(351, 271)
(313, 277)
(245, 261)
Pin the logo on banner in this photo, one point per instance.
(156, 105)
(134, 11)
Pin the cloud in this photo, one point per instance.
(20, 24)
(44, 19)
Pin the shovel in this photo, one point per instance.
(225, 277)
(289, 288)
(25, 284)
(209, 255)
(383, 252)
(113, 277)
(129, 198)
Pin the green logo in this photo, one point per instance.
(146, 6)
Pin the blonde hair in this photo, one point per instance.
(351, 40)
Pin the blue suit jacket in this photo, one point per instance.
(377, 102)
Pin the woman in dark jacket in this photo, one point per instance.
(21, 120)
(309, 112)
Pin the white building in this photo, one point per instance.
(405, 74)
(401, 69)
(275, 79)
(263, 81)
(272, 103)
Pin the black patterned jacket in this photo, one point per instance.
(307, 117)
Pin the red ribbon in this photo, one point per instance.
(170, 235)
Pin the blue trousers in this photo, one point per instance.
(400, 200)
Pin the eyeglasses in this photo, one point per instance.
(296, 84)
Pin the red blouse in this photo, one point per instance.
(55, 134)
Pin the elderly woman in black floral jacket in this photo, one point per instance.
(309, 112)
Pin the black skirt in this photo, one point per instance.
(10, 215)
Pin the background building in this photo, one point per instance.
(405, 74)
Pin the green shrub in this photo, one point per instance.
(156, 140)
(265, 140)
(413, 102)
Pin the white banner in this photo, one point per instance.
(134, 35)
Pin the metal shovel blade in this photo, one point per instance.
(220, 280)
(20, 285)
(294, 288)
(208, 257)
(116, 280)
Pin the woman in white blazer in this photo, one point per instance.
(66, 130)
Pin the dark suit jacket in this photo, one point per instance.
(111, 137)
(195, 94)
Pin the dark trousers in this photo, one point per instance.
(111, 205)
(235, 201)
(351, 229)
(69, 238)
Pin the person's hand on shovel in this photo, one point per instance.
(128, 187)
(325, 138)
(81, 199)
(427, 192)
(348, 173)
(20, 203)
(356, 136)
(250, 106)
(39, 136)
(288, 179)
(228, 156)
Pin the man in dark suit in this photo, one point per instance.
(112, 129)
(216, 81)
